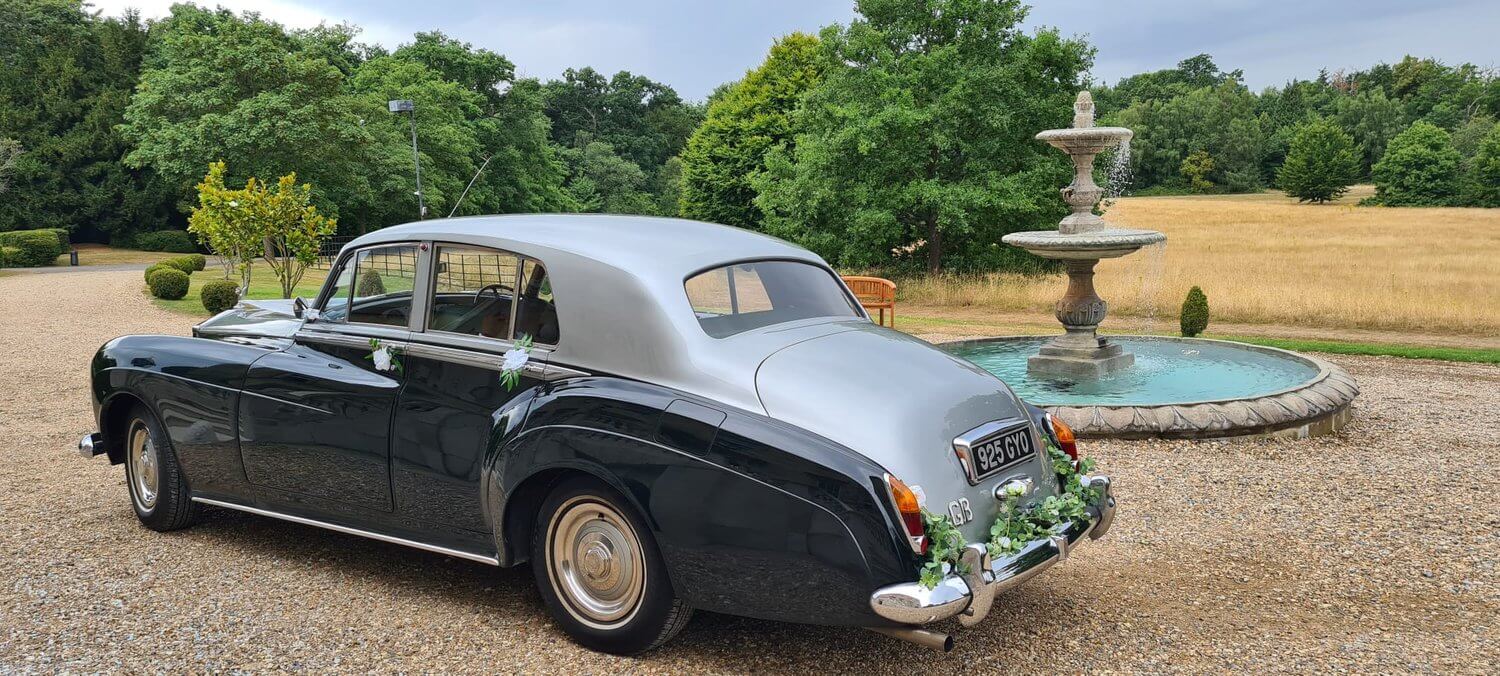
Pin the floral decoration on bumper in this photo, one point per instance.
(514, 360)
(386, 357)
(1015, 526)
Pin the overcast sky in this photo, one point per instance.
(694, 45)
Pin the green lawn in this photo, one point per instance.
(263, 285)
(1463, 354)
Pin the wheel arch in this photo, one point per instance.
(114, 415)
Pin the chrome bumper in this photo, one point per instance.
(970, 594)
(91, 445)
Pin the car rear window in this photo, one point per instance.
(744, 296)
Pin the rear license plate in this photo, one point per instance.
(1002, 450)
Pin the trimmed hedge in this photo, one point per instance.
(168, 283)
(170, 241)
(1194, 313)
(7, 253)
(197, 260)
(181, 263)
(219, 295)
(62, 237)
(370, 283)
(35, 248)
(152, 270)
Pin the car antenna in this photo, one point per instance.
(465, 193)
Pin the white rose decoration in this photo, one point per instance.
(382, 356)
(515, 359)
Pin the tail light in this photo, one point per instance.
(1065, 437)
(910, 510)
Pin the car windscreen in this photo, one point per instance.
(744, 296)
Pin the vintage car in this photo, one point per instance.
(660, 415)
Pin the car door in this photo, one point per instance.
(315, 421)
(481, 301)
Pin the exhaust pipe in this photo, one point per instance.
(922, 637)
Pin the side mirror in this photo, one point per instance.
(299, 307)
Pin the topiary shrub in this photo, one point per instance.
(198, 261)
(168, 283)
(62, 237)
(370, 284)
(1194, 313)
(35, 248)
(170, 241)
(152, 270)
(219, 295)
(182, 263)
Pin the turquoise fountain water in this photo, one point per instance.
(1165, 372)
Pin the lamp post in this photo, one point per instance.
(410, 108)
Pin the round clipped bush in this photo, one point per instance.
(370, 284)
(168, 283)
(1194, 313)
(154, 268)
(181, 263)
(219, 295)
(198, 261)
(171, 241)
(36, 248)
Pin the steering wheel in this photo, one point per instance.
(480, 293)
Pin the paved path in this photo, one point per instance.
(1374, 550)
(58, 269)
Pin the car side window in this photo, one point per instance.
(473, 291)
(536, 312)
(374, 286)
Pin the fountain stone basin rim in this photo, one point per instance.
(1317, 406)
(1091, 245)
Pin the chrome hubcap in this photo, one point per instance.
(596, 563)
(141, 454)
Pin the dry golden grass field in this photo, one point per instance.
(1265, 259)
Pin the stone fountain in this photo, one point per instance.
(1080, 241)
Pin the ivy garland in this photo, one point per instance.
(1015, 526)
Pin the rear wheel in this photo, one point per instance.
(598, 569)
(158, 491)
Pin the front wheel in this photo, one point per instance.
(598, 569)
(158, 491)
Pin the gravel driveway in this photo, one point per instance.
(1374, 550)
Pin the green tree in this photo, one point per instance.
(65, 76)
(525, 173)
(448, 141)
(1196, 168)
(1321, 164)
(10, 149)
(223, 222)
(290, 226)
(919, 140)
(1219, 120)
(1484, 172)
(1372, 120)
(603, 182)
(743, 122)
(244, 90)
(1419, 168)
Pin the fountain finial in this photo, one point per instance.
(1083, 110)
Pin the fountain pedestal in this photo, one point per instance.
(1081, 240)
(1080, 352)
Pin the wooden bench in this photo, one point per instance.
(875, 293)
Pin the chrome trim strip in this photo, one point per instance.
(537, 368)
(353, 340)
(352, 531)
(283, 401)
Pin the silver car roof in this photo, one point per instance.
(621, 305)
